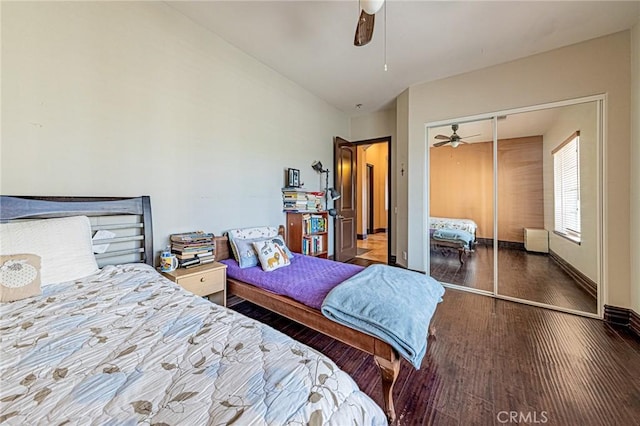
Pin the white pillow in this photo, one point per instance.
(252, 233)
(63, 244)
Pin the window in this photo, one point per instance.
(566, 182)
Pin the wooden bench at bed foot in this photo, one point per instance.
(389, 370)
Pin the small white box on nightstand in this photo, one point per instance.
(536, 240)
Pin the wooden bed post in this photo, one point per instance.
(389, 370)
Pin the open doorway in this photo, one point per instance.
(372, 189)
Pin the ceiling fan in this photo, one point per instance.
(454, 139)
(364, 28)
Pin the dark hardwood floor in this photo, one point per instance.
(528, 276)
(490, 357)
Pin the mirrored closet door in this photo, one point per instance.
(461, 200)
(548, 243)
(515, 204)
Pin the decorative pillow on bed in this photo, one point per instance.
(19, 277)
(271, 254)
(64, 246)
(241, 239)
(252, 233)
(245, 252)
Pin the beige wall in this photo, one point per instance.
(375, 125)
(568, 119)
(401, 187)
(635, 168)
(571, 72)
(131, 98)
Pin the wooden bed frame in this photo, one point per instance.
(450, 244)
(31, 207)
(385, 356)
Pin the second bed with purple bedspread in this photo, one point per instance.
(308, 279)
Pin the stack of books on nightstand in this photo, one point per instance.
(193, 248)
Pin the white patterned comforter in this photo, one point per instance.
(127, 346)
(447, 223)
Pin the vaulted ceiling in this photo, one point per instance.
(311, 42)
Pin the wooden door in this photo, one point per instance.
(345, 243)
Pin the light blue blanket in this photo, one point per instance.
(463, 237)
(392, 304)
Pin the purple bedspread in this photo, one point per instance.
(308, 279)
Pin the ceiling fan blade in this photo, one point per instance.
(442, 137)
(472, 136)
(364, 29)
(437, 144)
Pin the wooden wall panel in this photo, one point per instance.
(462, 185)
(520, 187)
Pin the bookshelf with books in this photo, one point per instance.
(301, 200)
(307, 233)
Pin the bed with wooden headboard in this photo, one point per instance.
(300, 291)
(112, 342)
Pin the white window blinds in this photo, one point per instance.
(566, 178)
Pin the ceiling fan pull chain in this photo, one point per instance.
(385, 36)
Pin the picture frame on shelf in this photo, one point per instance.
(293, 178)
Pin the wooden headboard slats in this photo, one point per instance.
(117, 226)
(35, 207)
(118, 253)
(47, 207)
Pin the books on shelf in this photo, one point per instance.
(296, 199)
(193, 248)
(313, 244)
(314, 223)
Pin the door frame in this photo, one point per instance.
(389, 141)
(370, 201)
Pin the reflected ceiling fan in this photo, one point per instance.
(454, 139)
(364, 28)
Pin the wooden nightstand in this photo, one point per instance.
(206, 280)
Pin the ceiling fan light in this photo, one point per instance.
(371, 6)
(454, 144)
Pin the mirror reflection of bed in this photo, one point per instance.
(537, 260)
(461, 199)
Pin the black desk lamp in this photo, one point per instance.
(328, 192)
